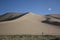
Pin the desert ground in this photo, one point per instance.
(28, 24)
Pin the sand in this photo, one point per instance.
(28, 24)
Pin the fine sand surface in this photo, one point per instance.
(28, 24)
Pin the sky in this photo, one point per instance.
(35, 6)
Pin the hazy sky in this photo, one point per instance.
(36, 6)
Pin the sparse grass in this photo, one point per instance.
(29, 37)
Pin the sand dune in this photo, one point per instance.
(28, 24)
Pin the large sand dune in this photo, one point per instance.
(28, 24)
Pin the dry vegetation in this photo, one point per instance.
(29, 37)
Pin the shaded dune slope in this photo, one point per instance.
(28, 24)
(10, 16)
(53, 19)
(57, 16)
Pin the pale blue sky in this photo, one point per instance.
(35, 6)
